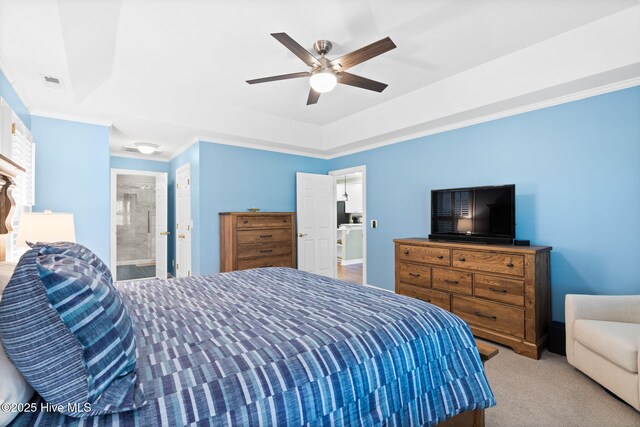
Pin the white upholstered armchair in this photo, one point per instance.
(603, 337)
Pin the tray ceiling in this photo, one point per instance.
(170, 72)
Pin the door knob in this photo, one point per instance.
(165, 233)
(302, 234)
(180, 236)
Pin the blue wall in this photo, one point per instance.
(14, 101)
(226, 178)
(233, 179)
(576, 167)
(72, 175)
(130, 163)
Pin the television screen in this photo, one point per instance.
(484, 214)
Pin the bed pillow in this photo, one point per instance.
(65, 328)
(14, 389)
(76, 250)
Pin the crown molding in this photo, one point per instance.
(265, 147)
(576, 96)
(140, 157)
(70, 117)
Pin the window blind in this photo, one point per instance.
(22, 151)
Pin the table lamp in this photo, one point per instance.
(46, 227)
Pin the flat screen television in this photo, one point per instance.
(476, 214)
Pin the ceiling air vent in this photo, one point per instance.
(50, 81)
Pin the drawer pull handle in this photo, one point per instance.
(461, 259)
(440, 257)
(414, 274)
(266, 251)
(453, 282)
(246, 221)
(488, 316)
(503, 291)
(264, 236)
(284, 220)
(406, 252)
(510, 265)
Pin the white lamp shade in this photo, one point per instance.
(45, 227)
(323, 81)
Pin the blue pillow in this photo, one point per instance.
(64, 326)
(76, 250)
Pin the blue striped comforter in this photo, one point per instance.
(279, 346)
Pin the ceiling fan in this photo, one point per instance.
(325, 73)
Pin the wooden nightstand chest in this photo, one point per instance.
(252, 240)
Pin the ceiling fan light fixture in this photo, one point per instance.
(146, 147)
(323, 80)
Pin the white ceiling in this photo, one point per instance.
(170, 72)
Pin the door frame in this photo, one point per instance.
(189, 222)
(336, 174)
(112, 211)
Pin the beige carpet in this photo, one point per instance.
(550, 392)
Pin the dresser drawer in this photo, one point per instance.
(261, 236)
(489, 261)
(510, 291)
(263, 221)
(452, 281)
(271, 261)
(440, 299)
(490, 315)
(267, 249)
(415, 274)
(425, 254)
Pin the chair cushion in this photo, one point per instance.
(616, 341)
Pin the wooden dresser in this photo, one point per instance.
(502, 291)
(252, 240)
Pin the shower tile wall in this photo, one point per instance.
(135, 219)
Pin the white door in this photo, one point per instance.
(161, 225)
(316, 215)
(183, 221)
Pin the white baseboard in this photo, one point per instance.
(351, 261)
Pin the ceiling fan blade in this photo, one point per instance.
(362, 82)
(297, 50)
(280, 77)
(363, 54)
(313, 96)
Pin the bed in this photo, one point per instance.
(277, 346)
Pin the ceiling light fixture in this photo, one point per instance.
(146, 147)
(323, 80)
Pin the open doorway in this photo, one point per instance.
(138, 224)
(350, 229)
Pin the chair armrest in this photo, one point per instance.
(613, 308)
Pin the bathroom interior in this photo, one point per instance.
(135, 227)
(349, 222)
